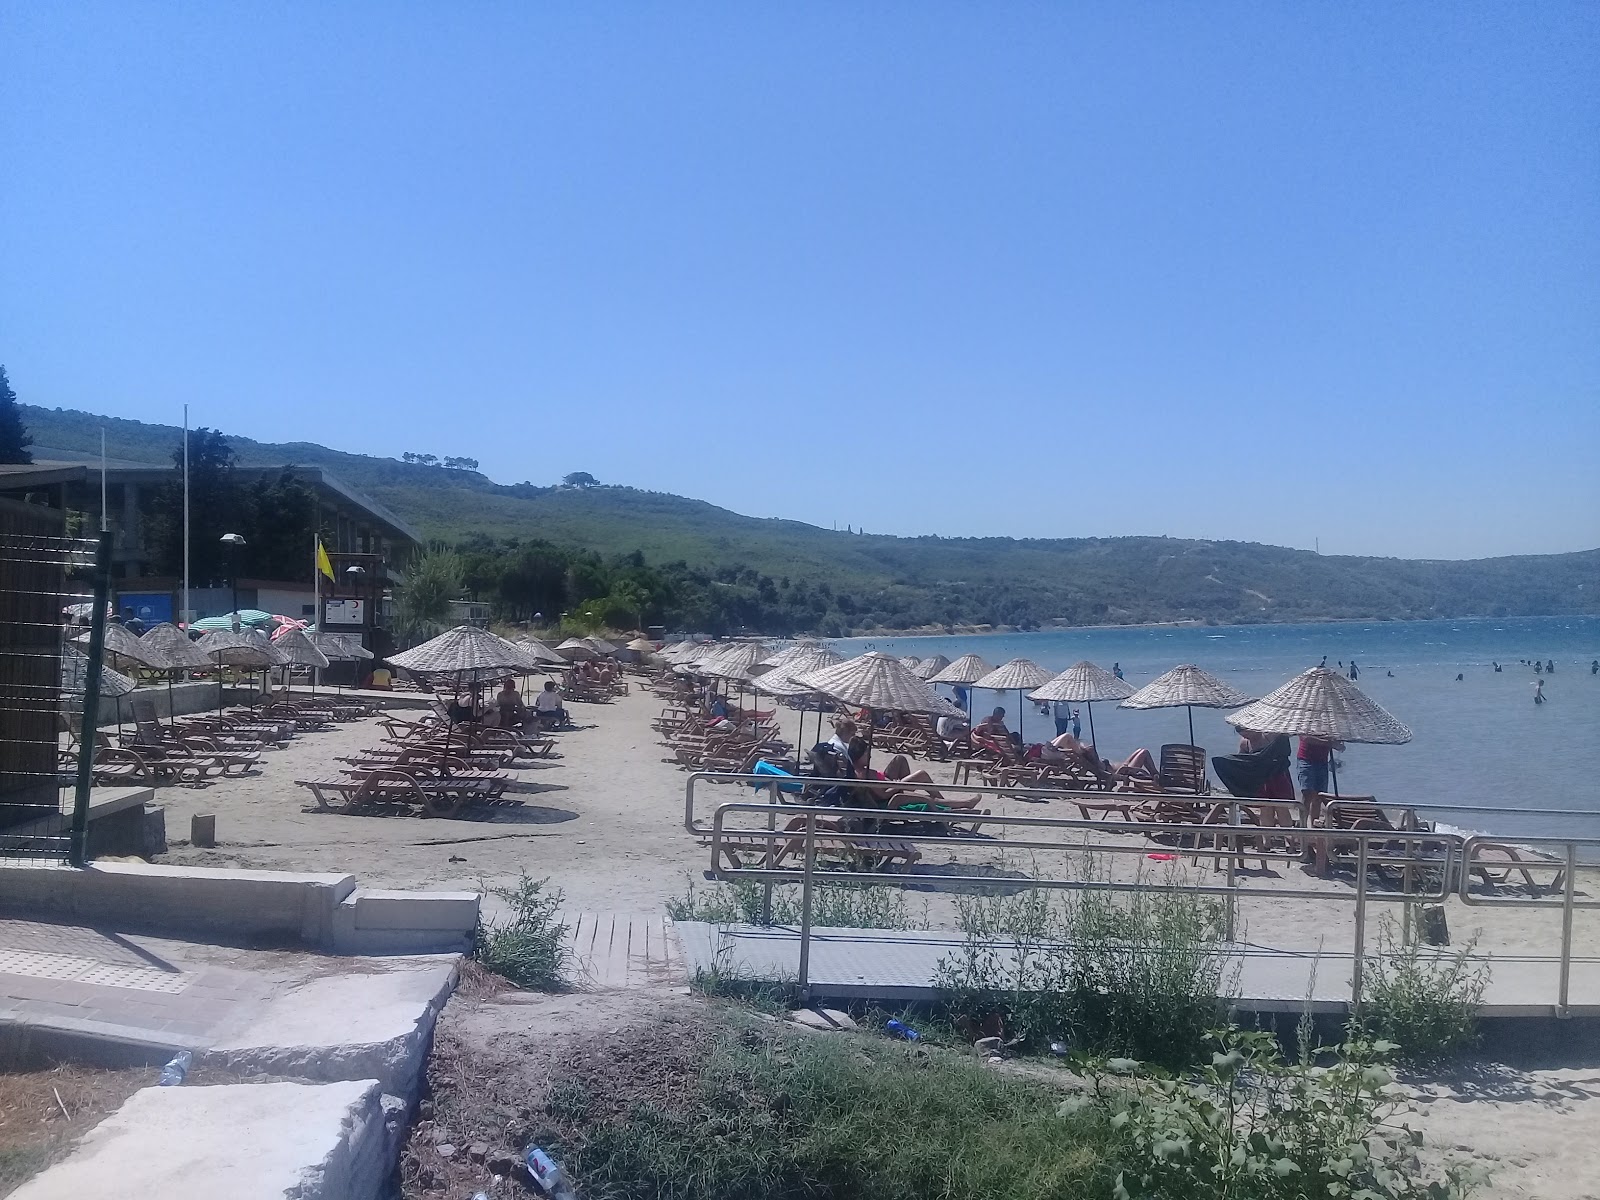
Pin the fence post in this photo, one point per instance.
(805, 909)
(1567, 897)
(1233, 860)
(77, 846)
(1358, 967)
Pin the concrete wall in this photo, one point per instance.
(191, 697)
(278, 908)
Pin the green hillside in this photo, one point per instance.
(870, 581)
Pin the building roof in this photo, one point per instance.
(46, 472)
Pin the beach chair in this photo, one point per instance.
(1183, 769)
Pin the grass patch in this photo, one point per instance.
(749, 1109)
(833, 905)
(528, 948)
(1140, 974)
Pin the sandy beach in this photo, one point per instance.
(602, 820)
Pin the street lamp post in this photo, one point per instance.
(234, 542)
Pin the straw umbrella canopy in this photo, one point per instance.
(75, 676)
(1186, 687)
(641, 646)
(537, 652)
(911, 662)
(237, 650)
(798, 660)
(964, 672)
(876, 681)
(929, 667)
(1084, 683)
(464, 650)
(122, 643)
(339, 647)
(300, 649)
(599, 645)
(1020, 674)
(734, 662)
(177, 652)
(574, 649)
(1321, 703)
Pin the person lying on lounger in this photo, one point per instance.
(1138, 765)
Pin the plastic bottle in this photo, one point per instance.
(175, 1071)
(547, 1173)
(900, 1029)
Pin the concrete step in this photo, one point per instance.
(248, 1141)
(376, 921)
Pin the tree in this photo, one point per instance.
(580, 479)
(461, 464)
(14, 439)
(215, 507)
(422, 606)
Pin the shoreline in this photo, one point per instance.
(964, 631)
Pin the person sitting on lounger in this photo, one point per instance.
(508, 705)
(1138, 765)
(547, 704)
(921, 794)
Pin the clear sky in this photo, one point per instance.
(1279, 272)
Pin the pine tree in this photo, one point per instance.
(14, 439)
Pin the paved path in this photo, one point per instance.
(903, 965)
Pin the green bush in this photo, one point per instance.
(1423, 1000)
(529, 948)
(1141, 974)
(1250, 1126)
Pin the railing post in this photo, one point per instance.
(77, 845)
(1233, 861)
(1358, 967)
(805, 909)
(1567, 898)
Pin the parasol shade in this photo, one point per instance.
(1084, 683)
(174, 646)
(642, 646)
(929, 667)
(248, 617)
(1322, 703)
(237, 649)
(803, 660)
(734, 662)
(1185, 687)
(1016, 675)
(299, 649)
(967, 669)
(75, 675)
(462, 650)
(877, 680)
(575, 648)
(127, 645)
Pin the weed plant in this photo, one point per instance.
(529, 947)
(1140, 974)
(1421, 999)
(833, 905)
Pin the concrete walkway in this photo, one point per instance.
(620, 951)
(346, 1036)
(903, 965)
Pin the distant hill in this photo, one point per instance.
(906, 582)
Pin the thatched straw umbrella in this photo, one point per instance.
(179, 654)
(1084, 683)
(466, 652)
(780, 681)
(963, 673)
(575, 649)
(300, 650)
(732, 664)
(75, 677)
(1021, 675)
(237, 650)
(1321, 703)
(929, 667)
(911, 662)
(537, 652)
(876, 682)
(1187, 687)
(124, 648)
(600, 646)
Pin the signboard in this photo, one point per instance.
(345, 612)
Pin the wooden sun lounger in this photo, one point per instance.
(747, 850)
(434, 797)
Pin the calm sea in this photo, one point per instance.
(1478, 742)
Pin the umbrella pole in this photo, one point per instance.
(1333, 770)
(1090, 704)
(172, 712)
(1189, 708)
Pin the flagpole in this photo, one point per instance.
(316, 578)
(183, 614)
(104, 523)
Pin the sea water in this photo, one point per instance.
(1477, 742)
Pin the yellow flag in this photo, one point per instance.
(323, 563)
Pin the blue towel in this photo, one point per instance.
(763, 767)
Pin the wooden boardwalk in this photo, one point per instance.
(620, 951)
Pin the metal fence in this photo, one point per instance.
(49, 685)
(1427, 867)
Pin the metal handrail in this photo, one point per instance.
(1456, 856)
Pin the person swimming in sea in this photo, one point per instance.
(1354, 673)
(1550, 667)
(1460, 677)
(1496, 667)
(1594, 667)
(1391, 674)
(1538, 692)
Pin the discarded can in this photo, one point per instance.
(899, 1029)
(177, 1070)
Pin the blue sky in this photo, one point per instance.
(1283, 273)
